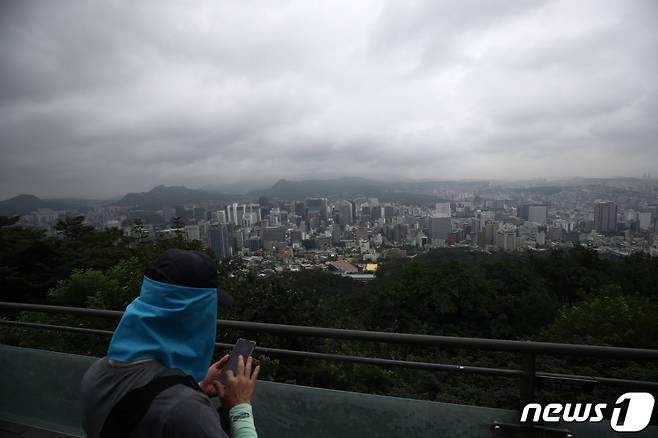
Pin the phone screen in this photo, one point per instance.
(243, 347)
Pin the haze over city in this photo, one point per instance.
(368, 218)
(103, 98)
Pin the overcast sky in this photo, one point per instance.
(101, 98)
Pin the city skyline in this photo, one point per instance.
(253, 188)
(102, 99)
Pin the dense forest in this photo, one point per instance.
(571, 296)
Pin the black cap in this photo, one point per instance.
(187, 268)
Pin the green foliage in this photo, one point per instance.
(8, 220)
(79, 287)
(608, 318)
(123, 283)
(178, 223)
(146, 252)
(28, 263)
(74, 228)
(83, 247)
(114, 289)
(564, 296)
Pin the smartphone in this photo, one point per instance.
(243, 347)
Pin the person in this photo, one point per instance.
(157, 380)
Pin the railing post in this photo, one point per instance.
(528, 366)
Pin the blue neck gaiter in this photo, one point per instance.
(176, 325)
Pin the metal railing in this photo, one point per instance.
(528, 349)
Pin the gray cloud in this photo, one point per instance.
(100, 98)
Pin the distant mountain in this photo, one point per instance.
(341, 187)
(24, 204)
(170, 196)
(352, 187)
(238, 187)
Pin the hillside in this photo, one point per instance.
(25, 204)
(169, 196)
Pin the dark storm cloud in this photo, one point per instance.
(100, 98)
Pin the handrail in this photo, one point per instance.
(500, 372)
(375, 336)
(529, 349)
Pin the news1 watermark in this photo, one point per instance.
(630, 413)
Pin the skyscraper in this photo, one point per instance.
(389, 212)
(316, 205)
(506, 238)
(443, 209)
(645, 218)
(232, 213)
(532, 212)
(605, 217)
(440, 227)
(220, 241)
(490, 230)
(522, 211)
(538, 214)
(345, 212)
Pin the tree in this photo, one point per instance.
(123, 286)
(178, 224)
(74, 228)
(608, 318)
(8, 220)
(80, 287)
(140, 230)
(28, 262)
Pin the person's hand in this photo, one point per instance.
(239, 387)
(207, 384)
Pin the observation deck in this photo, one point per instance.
(39, 389)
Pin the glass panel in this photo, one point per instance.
(40, 388)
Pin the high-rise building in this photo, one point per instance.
(605, 217)
(296, 236)
(389, 212)
(220, 240)
(264, 201)
(555, 234)
(299, 208)
(376, 213)
(645, 218)
(217, 216)
(232, 213)
(540, 238)
(204, 232)
(506, 238)
(335, 234)
(192, 232)
(254, 243)
(443, 209)
(365, 212)
(482, 218)
(254, 211)
(490, 230)
(538, 214)
(522, 211)
(275, 217)
(274, 234)
(498, 204)
(344, 209)
(237, 239)
(440, 227)
(316, 206)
